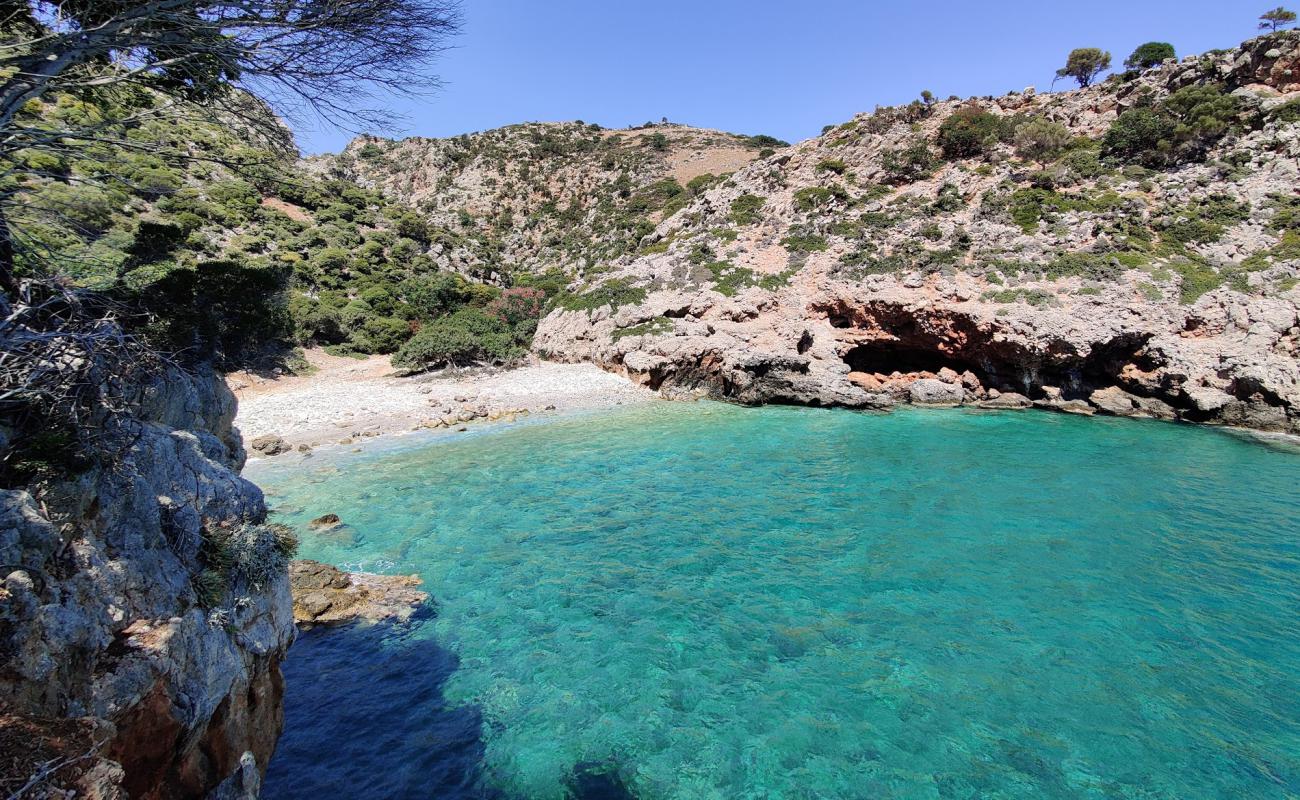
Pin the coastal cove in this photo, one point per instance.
(702, 600)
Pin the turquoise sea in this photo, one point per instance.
(704, 601)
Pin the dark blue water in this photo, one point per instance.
(706, 601)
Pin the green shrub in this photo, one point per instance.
(948, 199)
(1083, 163)
(614, 293)
(1040, 140)
(744, 209)
(467, 336)
(1180, 128)
(803, 239)
(970, 131)
(1197, 279)
(912, 163)
(834, 165)
(314, 322)
(1287, 112)
(1205, 220)
(219, 310)
(764, 141)
(655, 327)
(812, 198)
(381, 335)
(1151, 54)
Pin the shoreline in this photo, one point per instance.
(351, 403)
(345, 401)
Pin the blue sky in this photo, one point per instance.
(784, 69)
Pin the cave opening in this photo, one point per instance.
(885, 358)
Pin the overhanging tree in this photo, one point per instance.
(240, 60)
(65, 363)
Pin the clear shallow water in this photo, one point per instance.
(702, 601)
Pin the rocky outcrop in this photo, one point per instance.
(270, 445)
(326, 595)
(823, 276)
(145, 593)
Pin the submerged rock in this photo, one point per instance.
(325, 522)
(326, 595)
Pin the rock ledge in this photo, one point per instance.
(326, 595)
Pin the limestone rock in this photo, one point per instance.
(326, 595)
(325, 522)
(1114, 400)
(102, 613)
(1006, 400)
(270, 445)
(816, 329)
(934, 392)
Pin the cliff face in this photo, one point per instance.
(542, 197)
(849, 267)
(146, 594)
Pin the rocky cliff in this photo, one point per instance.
(539, 198)
(1135, 252)
(143, 593)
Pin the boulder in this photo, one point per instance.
(1207, 399)
(1080, 407)
(325, 522)
(934, 392)
(270, 445)
(1155, 409)
(1114, 400)
(1006, 400)
(326, 595)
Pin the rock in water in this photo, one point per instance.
(325, 595)
(325, 522)
(1114, 400)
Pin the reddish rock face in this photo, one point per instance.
(163, 761)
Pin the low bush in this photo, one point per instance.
(1180, 128)
(912, 163)
(744, 209)
(812, 198)
(469, 335)
(970, 131)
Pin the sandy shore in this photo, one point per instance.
(346, 399)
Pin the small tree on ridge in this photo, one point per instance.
(1275, 19)
(1084, 65)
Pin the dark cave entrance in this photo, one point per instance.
(885, 358)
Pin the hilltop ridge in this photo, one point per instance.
(535, 198)
(1137, 238)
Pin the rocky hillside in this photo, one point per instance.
(558, 199)
(145, 608)
(1131, 248)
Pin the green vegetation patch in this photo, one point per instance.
(1204, 220)
(654, 327)
(615, 293)
(812, 198)
(1180, 128)
(744, 209)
